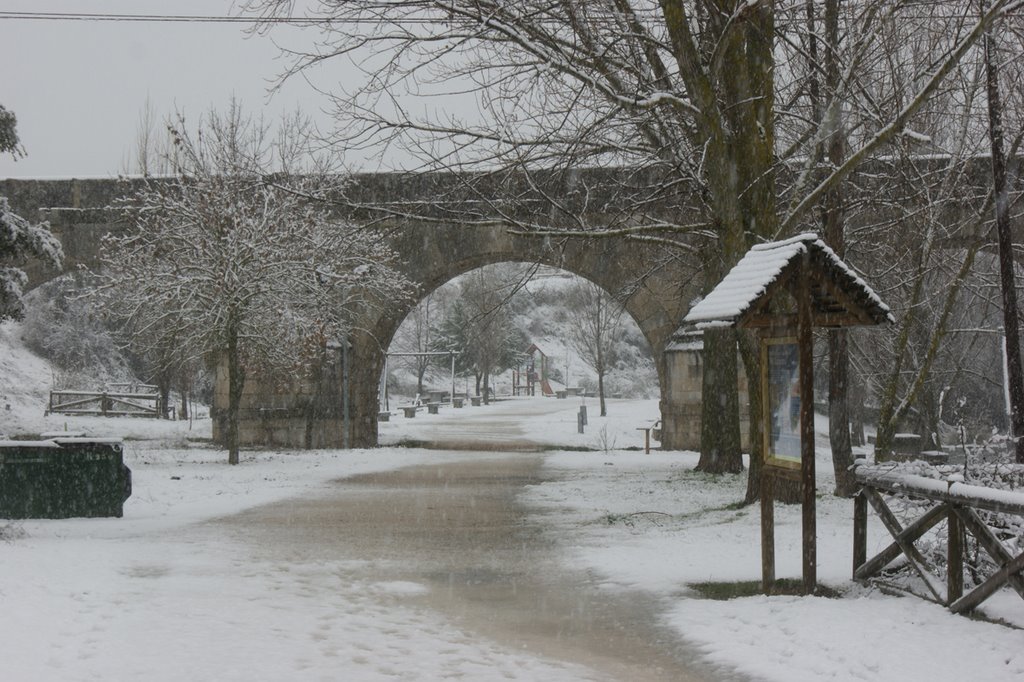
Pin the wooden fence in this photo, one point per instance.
(107, 403)
(958, 504)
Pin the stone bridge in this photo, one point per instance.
(433, 251)
(436, 246)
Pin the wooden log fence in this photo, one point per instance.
(956, 503)
(105, 404)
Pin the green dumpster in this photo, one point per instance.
(63, 478)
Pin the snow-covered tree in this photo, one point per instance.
(479, 324)
(19, 239)
(9, 143)
(66, 329)
(239, 264)
(595, 327)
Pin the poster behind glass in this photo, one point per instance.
(783, 384)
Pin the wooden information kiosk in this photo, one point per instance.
(784, 289)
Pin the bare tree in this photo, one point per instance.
(595, 326)
(479, 324)
(918, 220)
(153, 152)
(229, 262)
(418, 334)
(1011, 325)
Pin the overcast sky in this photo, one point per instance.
(78, 87)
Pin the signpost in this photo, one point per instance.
(784, 289)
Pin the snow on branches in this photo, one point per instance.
(20, 239)
(237, 264)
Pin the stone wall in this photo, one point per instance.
(681, 410)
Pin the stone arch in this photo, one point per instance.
(387, 338)
(436, 273)
(437, 253)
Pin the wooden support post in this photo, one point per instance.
(992, 545)
(905, 538)
(767, 531)
(900, 535)
(805, 346)
(453, 376)
(954, 558)
(860, 531)
(989, 587)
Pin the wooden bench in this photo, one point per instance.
(383, 416)
(457, 402)
(656, 427)
(410, 411)
(475, 400)
(432, 408)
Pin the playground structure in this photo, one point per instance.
(533, 371)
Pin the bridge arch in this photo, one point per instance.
(452, 251)
(434, 254)
(546, 333)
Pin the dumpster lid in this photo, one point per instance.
(28, 444)
(83, 440)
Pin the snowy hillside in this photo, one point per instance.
(25, 381)
(545, 316)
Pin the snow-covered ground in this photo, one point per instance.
(653, 523)
(154, 596)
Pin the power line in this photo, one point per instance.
(199, 18)
(296, 21)
(77, 16)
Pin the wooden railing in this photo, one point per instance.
(106, 404)
(958, 504)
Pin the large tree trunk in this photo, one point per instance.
(185, 387)
(165, 396)
(838, 413)
(834, 224)
(1011, 327)
(720, 427)
(600, 379)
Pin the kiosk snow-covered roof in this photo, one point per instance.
(743, 298)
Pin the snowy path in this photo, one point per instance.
(525, 423)
(259, 572)
(451, 539)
